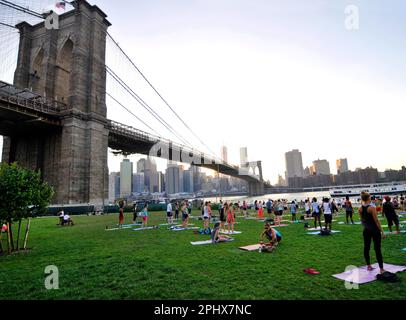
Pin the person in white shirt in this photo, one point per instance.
(206, 215)
(307, 208)
(316, 212)
(328, 216)
(169, 213)
(67, 220)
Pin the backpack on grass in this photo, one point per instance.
(325, 232)
(388, 277)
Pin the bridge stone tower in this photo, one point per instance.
(68, 65)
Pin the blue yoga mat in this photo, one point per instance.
(404, 249)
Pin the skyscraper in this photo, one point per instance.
(196, 178)
(224, 156)
(172, 179)
(342, 165)
(243, 156)
(149, 168)
(188, 181)
(320, 167)
(114, 186)
(126, 177)
(138, 182)
(294, 164)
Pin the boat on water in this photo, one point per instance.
(377, 189)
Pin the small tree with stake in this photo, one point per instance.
(22, 196)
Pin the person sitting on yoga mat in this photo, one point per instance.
(269, 238)
(215, 234)
(372, 230)
(390, 214)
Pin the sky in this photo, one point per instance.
(268, 75)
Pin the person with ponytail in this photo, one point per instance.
(372, 230)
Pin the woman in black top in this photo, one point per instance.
(372, 230)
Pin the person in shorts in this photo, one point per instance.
(169, 213)
(390, 214)
(185, 215)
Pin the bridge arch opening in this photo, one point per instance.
(64, 71)
(37, 79)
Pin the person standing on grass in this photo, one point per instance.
(316, 212)
(210, 211)
(260, 210)
(245, 208)
(378, 204)
(206, 215)
(220, 207)
(189, 208)
(269, 208)
(144, 215)
(279, 212)
(169, 213)
(176, 210)
(121, 213)
(372, 230)
(222, 215)
(293, 211)
(334, 207)
(328, 213)
(230, 218)
(390, 214)
(307, 208)
(185, 215)
(135, 212)
(348, 209)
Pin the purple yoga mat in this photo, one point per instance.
(361, 275)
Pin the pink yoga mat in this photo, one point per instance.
(251, 247)
(361, 275)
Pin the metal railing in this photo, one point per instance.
(134, 133)
(37, 103)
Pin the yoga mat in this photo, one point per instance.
(146, 228)
(404, 249)
(318, 228)
(394, 232)
(280, 225)
(231, 232)
(199, 243)
(362, 275)
(402, 213)
(253, 247)
(112, 229)
(182, 229)
(318, 232)
(125, 226)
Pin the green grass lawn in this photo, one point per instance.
(162, 264)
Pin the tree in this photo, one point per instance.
(22, 195)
